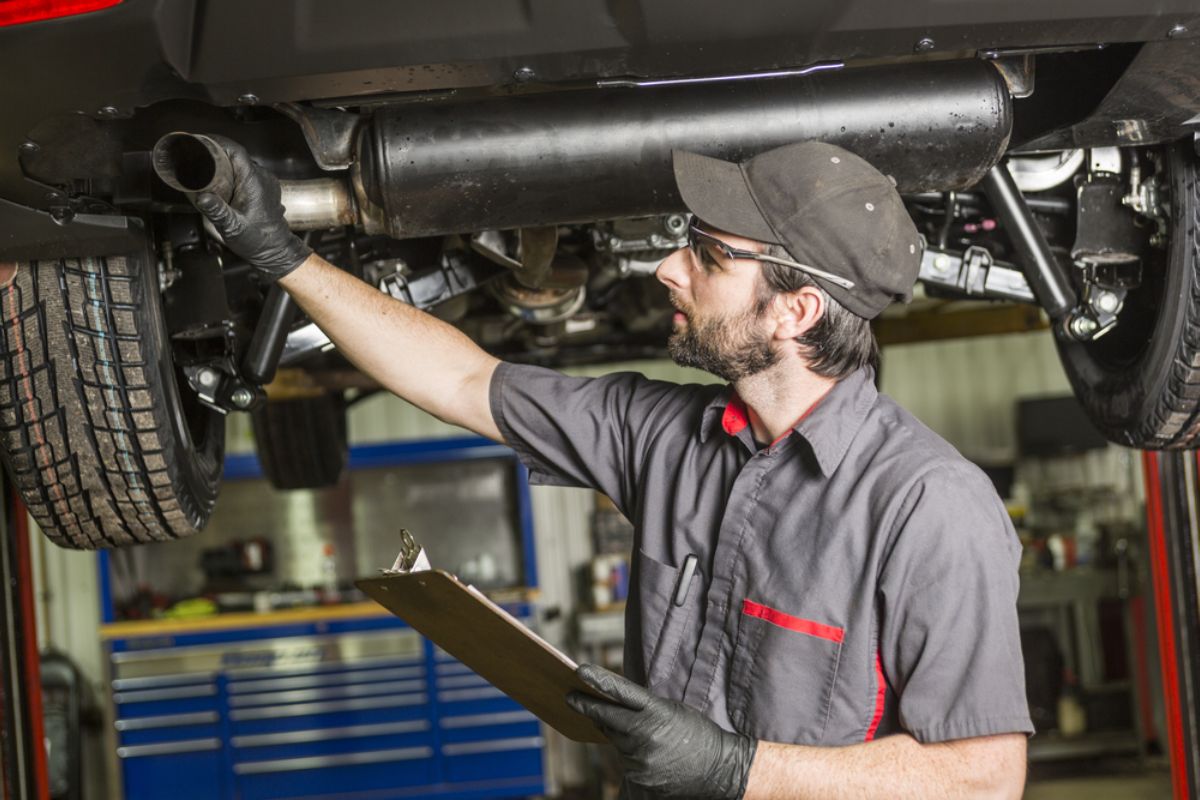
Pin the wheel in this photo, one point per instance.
(1140, 383)
(302, 441)
(103, 446)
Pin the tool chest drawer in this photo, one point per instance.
(330, 741)
(341, 713)
(192, 769)
(167, 727)
(391, 770)
(492, 725)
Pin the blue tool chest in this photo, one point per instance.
(303, 711)
(334, 701)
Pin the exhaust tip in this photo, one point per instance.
(192, 163)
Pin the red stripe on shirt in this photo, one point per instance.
(880, 697)
(806, 626)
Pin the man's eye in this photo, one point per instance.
(709, 259)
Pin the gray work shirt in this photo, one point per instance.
(856, 578)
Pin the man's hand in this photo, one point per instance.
(252, 223)
(666, 747)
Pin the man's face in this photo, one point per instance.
(720, 326)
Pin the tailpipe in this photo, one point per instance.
(192, 163)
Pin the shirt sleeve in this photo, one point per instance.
(572, 431)
(949, 636)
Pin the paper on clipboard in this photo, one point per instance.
(466, 624)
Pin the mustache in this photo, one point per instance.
(678, 304)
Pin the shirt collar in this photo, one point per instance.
(828, 427)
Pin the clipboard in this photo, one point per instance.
(466, 624)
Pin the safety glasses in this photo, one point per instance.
(708, 250)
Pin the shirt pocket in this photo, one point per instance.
(782, 675)
(666, 627)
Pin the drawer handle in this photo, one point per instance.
(169, 748)
(482, 693)
(494, 746)
(125, 684)
(166, 721)
(481, 720)
(318, 762)
(326, 734)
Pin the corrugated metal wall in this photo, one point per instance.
(966, 389)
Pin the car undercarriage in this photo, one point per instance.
(509, 171)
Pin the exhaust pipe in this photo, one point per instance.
(580, 156)
(192, 163)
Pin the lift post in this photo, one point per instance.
(22, 739)
(1173, 534)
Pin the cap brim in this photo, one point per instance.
(716, 192)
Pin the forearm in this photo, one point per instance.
(893, 767)
(413, 354)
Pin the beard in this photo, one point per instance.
(731, 347)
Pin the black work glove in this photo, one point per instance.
(666, 747)
(252, 223)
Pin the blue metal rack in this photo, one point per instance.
(326, 708)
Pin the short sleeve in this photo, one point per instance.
(572, 431)
(949, 636)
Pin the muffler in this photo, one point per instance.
(596, 154)
(457, 166)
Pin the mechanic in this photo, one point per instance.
(824, 592)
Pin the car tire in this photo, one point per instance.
(104, 447)
(1140, 383)
(302, 441)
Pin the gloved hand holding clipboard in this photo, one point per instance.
(466, 624)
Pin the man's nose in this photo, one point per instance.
(674, 269)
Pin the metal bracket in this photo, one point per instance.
(329, 133)
(976, 274)
(412, 557)
(219, 388)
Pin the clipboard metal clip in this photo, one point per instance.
(412, 557)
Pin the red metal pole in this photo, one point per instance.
(1165, 617)
(30, 657)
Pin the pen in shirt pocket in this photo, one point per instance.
(685, 578)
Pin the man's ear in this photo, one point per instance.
(797, 312)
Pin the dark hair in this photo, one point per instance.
(841, 341)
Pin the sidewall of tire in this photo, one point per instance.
(196, 471)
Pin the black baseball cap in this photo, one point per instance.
(826, 206)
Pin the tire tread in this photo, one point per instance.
(83, 418)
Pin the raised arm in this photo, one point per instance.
(413, 354)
